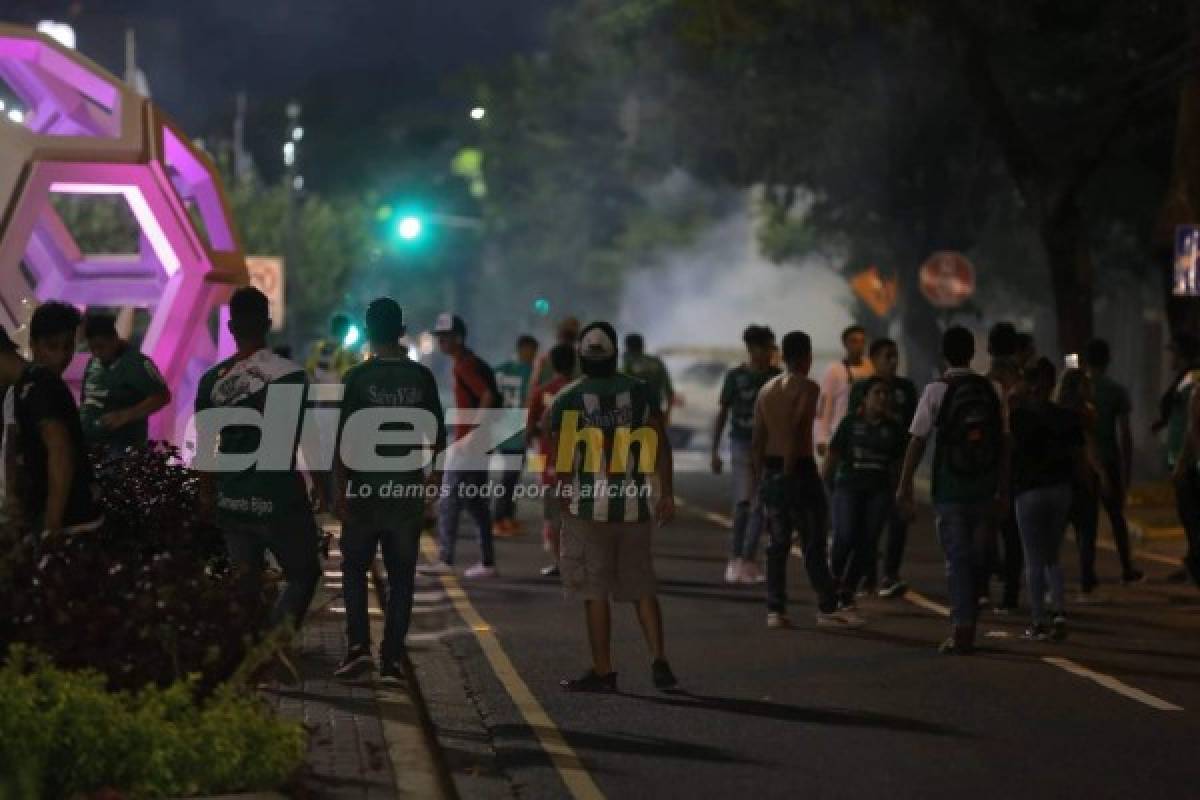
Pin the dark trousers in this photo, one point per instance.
(1014, 558)
(859, 515)
(293, 542)
(1187, 500)
(398, 539)
(1087, 501)
(893, 551)
(795, 503)
(505, 507)
(464, 491)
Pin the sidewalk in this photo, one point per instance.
(366, 741)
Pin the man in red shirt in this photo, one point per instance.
(464, 488)
(541, 398)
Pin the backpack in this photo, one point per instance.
(970, 426)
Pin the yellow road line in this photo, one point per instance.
(561, 754)
(1113, 684)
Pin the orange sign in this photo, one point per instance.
(947, 279)
(878, 293)
(266, 275)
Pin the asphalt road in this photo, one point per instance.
(802, 712)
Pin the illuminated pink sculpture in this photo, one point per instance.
(83, 132)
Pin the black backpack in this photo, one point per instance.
(970, 426)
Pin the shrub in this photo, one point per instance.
(63, 734)
(149, 598)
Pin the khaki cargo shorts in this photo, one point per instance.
(599, 560)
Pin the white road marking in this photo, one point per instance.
(921, 601)
(1112, 684)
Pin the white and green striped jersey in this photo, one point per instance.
(606, 446)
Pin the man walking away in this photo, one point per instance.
(608, 526)
(970, 467)
(464, 485)
(885, 359)
(51, 476)
(121, 389)
(739, 392)
(1005, 350)
(541, 400)
(1114, 446)
(793, 496)
(383, 510)
(652, 370)
(835, 386)
(1180, 415)
(513, 381)
(258, 510)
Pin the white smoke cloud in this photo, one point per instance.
(706, 293)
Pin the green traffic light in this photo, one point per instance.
(541, 306)
(409, 228)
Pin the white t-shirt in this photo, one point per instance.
(835, 396)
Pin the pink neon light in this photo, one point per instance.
(141, 211)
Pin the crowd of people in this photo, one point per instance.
(1019, 454)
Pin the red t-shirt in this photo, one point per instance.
(472, 378)
(540, 400)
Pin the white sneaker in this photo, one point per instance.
(750, 573)
(844, 618)
(778, 619)
(438, 567)
(733, 570)
(480, 571)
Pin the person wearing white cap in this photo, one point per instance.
(605, 494)
(474, 388)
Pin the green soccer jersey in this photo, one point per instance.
(903, 396)
(653, 371)
(868, 452)
(738, 393)
(602, 423)
(127, 381)
(252, 495)
(379, 383)
(513, 378)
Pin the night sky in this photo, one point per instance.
(350, 62)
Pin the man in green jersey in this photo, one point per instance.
(121, 388)
(650, 369)
(606, 438)
(739, 391)
(512, 379)
(382, 507)
(259, 507)
(1179, 413)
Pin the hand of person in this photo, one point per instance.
(664, 510)
(113, 420)
(1180, 471)
(716, 463)
(905, 507)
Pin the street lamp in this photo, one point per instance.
(297, 133)
(478, 113)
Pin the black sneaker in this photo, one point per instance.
(393, 671)
(1133, 576)
(356, 662)
(1038, 632)
(890, 588)
(664, 678)
(550, 571)
(1058, 628)
(953, 647)
(591, 682)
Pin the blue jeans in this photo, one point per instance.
(399, 539)
(747, 510)
(794, 502)
(963, 530)
(294, 542)
(1042, 520)
(463, 491)
(858, 517)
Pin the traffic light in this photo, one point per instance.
(541, 306)
(351, 338)
(409, 227)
